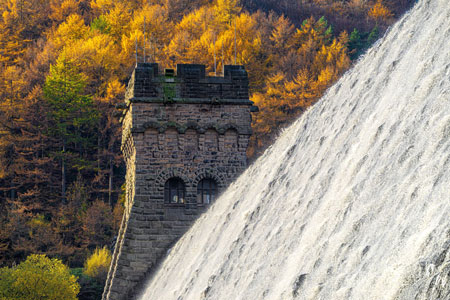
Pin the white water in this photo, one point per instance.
(352, 201)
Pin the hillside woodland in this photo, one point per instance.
(64, 65)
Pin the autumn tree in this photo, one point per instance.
(70, 31)
(152, 30)
(179, 8)
(38, 277)
(319, 61)
(282, 34)
(227, 10)
(380, 12)
(26, 188)
(97, 225)
(21, 21)
(61, 9)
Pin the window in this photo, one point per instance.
(174, 191)
(206, 191)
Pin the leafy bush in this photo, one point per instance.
(97, 264)
(38, 277)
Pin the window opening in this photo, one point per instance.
(174, 191)
(206, 191)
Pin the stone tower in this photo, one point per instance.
(184, 139)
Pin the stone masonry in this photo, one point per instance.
(186, 126)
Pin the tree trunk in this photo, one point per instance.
(63, 173)
(99, 149)
(13, 193)
(111, 173)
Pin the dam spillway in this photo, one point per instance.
(353, 199)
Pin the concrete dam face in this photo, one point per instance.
(351, 202)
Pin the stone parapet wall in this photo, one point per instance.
(190, 82)
(189, 139)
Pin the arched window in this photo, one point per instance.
(206, 191)
(174, 191)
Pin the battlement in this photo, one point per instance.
(187, 84)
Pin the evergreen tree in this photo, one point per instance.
(373, 36)
(72, 117)
(355, 44)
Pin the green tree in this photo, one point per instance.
(72, 116)
(38, 277)
(373, 36)
(355, 44)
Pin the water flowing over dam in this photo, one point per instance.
(353, 199)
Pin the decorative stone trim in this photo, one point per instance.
(210, 173)
(213, 101)
(181, 128)
(166, 174)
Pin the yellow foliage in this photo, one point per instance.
(114, 90)
(320, 60)
(97, 57)
(380, 11)
(118, 19)
(227, 10)
(71, 30)
(197, 22)
(97, 264)
(60, 9)
(282, 33)
(12, 25)
(39, 277)
(128, 46)
(27, 13)
(158, 29)
(101, 7)
(11, 85)
(192, 34)
(249, 48)
(39, 221)
(202, 34)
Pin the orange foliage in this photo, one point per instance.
(319, 61)
(380, 12)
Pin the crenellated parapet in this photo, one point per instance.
(188, 83)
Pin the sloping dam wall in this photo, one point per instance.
(352, 201)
